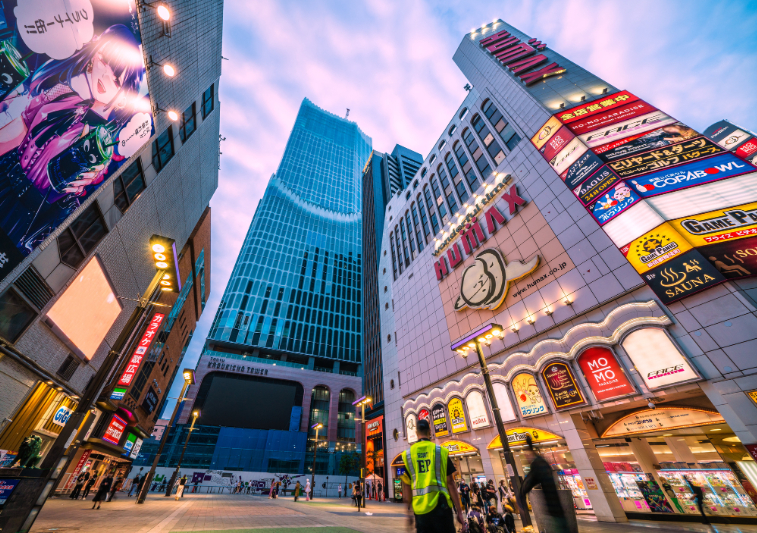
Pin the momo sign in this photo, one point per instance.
(604, 374)
(485, 283)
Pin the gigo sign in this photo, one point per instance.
(61, 416)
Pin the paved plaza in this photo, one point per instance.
(243, 513)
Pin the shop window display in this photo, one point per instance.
(723, 494)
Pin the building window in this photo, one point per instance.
(486, 136)
(451, 130)
(69, 366)
(128, 186)
(433, 158)
(431, 211)
(463, 112)
(208, 102)
(82, 236)
(465, 164)
(501, 125)
(15, 315)
(477, 154)
(188, 123)
(162, 149)
(439, 201)
(423, 173)
(442, 144)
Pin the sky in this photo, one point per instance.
(390, 63)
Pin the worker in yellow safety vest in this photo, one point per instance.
(428, 487)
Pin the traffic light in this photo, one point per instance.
(165, 257)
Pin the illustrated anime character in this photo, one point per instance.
(59, 137)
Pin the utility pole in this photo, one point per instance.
(316, 427)
(195, 414)
(362, 402)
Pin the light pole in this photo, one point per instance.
(473, 341)
(189, 379)
(316, 427)
(362, 402)
(195, 414)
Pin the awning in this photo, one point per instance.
(517, 436)
(458, 447)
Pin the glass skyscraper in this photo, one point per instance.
(295, 292)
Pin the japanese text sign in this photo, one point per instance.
(139, 353)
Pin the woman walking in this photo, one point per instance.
(102, 491)
(307, 490)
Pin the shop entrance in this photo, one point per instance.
(467, 461)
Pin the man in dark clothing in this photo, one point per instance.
(541, 474)
(464, 495)
(135, 485)
(698, 497)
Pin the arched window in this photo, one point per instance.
(457, 180)
(431, 210)
(319, 413)
(345, 428)
(442, 144)
(410, 235)
(423, 172)
(462, 158)
(451, 200)
(417, 226)
(500, 124)
(433, 158)
(400, 256)
(424, 217)
(451, 130)
(394, 257)
(439, 196)
(404, 242)
(477, 154)
(487, 138)
(479, 418)
(463, 112)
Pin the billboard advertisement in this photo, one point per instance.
(115, 429)
(657, 359)
(457, 416)
(596, 185)
(567, 156)
(439, 414)
(605, 376)
(609, 102)
(611, 116)
(528, 395)
(506, 411)
(659, 138)
(479, 418)
(613, 203)
(682, 276)
(727, 135)
(546, 132)
(621, 130)
(728, 224)
(733, 259)
(654, 248)
(556, 143)
(75, 106)
(139, 352)
(562, 385)
(653, 160)
(584, 167)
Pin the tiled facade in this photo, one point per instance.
(583, 291)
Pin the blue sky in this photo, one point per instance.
(390, 63)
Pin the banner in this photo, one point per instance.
(139, 352)
(705, 171)
(457, 416)
(682, 276)
(75, 107)
(439, 414)
(686, 151)
(613, 203)
(562, 385)
(609, 102)
(659, 138)
(722, 225)
(605, 376)
(546, 132)
(584, 167)
(528, 396)
(611, 116)
(556, 142)
(656, 247)
(733, 259)
(567, 156)
(598, 183)
(727, 135)
(634, 126)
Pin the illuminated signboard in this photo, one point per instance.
(520, 58)
(654, 248)
(655, 139)
(506, 411)
(604, 374)
(423, 414)
(613, 203)
(747, 150)
(139, 352)
(556, 143)
(118, 393)
(597, 184)
(517, 436)
(633, 223)
(458, 447)
(584, 167)
(608, 102)
(131, 439)
(479, 418)
(115, 429)
(457, 416)
(61, 416)
(528, 396)
(716, 226)
(611, 116)
(733, 259)
(727, 135)
(662, 418)
(546, 132)
(657, 359)
(410, 426)
(624, 129)
(567, 156)
(439, 414)
(653, 160)
(682, 276)
(73, 88)
(562, 385)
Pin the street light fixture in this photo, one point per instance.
(195, 414)
(316, 427)
(473, 341)
(168, 69)
(189, 379)
(163, 12)
(362, 402)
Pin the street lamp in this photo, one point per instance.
(473, 341)
(195, 414)
(316, 427)
(362, 402)
(189, 379)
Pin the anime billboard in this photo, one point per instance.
(74, 106)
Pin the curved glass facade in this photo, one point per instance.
(296, 285)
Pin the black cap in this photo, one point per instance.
(423, 425)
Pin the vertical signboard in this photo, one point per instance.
(562, 385)
(479, 418)
(140, 351)
(528, 395)
(410, 427)
(115, 429)
(657, 359)
(76, 106)
(423, 414)
(604, 374)
(457, 416)
(439, 414)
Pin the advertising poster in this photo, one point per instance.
(562, 385)
(528, 396)
(737, 222)
(747, 150)
(604, 374)
(596, 185)
(556, 143)
(584, 167)
(115, 430)
(657, 359)
(727, 135)
(457, 416)
(654, 497)
(733, 259)
(682, 276)
(410, 428)
(423, 414)
(613, 203)
(608, 102)
(621, 130)
(6, 489)
(479, 418)
(684, 152)
(75, 106)
(567, 156)
(545, 133)
(441, 429)
(611, 116)
(705, 171)
(659, 138)
(655, 248)
(506, 411)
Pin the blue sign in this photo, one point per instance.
(61, 416)
(613, 203)
(118, 393)
(6, 488)
(672, 179)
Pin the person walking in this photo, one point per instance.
(541, 474)
(340, 491)
(698, 498)
(358, 493)
(102, 491)
(88, 485)
(428, 485)
(117, 484)
(180, 488)
(307, 490)
(80, 480)
(464, 490)
(135, 484)
(297, 490)
(380, 492)
(270, 492)
(490, 496)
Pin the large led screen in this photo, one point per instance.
(85, 312)
(75, 106)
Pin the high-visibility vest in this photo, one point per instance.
(426, 465)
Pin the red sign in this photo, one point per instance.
(556, 143)
(752, 449)
(115, 430)
(82, 461)
(375, 426)
(520, 57)
(611, 116)
(603, 373)
(608, 102)
(424, 415)
(141, 349)
(747, 149)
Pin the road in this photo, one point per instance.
(243, 513)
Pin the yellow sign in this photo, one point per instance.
(517, 436)
(662, 419)
(457, 416)
(717, 226)
(752, 395)
(655, 248)
(528, 396)
(458, 447)
(546, 132)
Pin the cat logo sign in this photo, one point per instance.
(457, 416)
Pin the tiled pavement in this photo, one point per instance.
(242, 513)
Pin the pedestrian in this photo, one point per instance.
(358, 491)
(307, 490)
(476, 519)
(698, 498)
(340, 491)
(490, 496)
(373, 490)
(102, 491)
(180, 489)
(88, 485)
(135, 484)
(297, 490)
(270, 492)
(351, 488)
(476, 498)
(80, 480)
(117, 484)
(380, 492)
(541, 474)
(428, 485)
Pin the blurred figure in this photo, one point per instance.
(541, 474)
(102, 491)
(698, 498)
